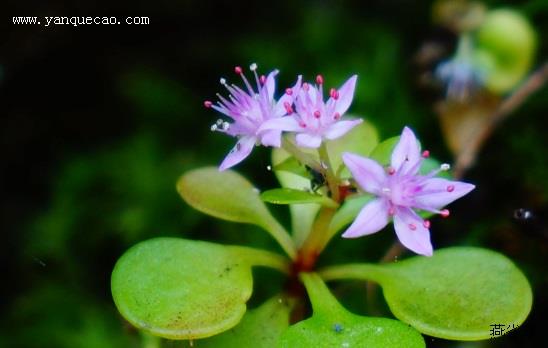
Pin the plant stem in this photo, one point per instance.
(150, 341)
(467, 156)
(321, 298)
(363, 271)
(258, 257)
(332, 180)
(315, 243)
(319, 235)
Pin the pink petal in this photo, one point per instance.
(346, 94)
(340, 128)
(270, 84)
(368, 173)
(272, 138)
(286, 123)
(279, 109)
(411, 231)
(407, 152)
(308, 140)
(437, 192)
(372, 218)
(239, 152)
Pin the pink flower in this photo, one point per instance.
(249, 110)
(399, 190)
(315, 120)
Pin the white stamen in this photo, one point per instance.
(219, 122)
(253, 67)
(214, 128)
(269, 168)
(386, 190)
(222, 81)
(226, 126)
(445, 167)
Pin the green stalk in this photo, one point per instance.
(319, 235)
(258, 257)
(150, 341)
(321, 298)
(362, 271)
(314, 244)
(279, 233)
(332, 180)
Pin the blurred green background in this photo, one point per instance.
(99, 121)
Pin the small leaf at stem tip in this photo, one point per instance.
(291, 196)
(291, 165)
(182, 289)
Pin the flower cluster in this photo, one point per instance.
(259, 119)
(399, 189)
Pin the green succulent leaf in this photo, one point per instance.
(331, 325)
(383, 151)
(182, 289)
(259, 328)
(228, 195)
(291, 165)
(292, 196)
(456, 294)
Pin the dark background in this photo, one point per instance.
(99, 121)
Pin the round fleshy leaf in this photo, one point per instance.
(181, 289)
(458, 293)
(292, 196)
(331, 325)
(259, 328)
(228, 195)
